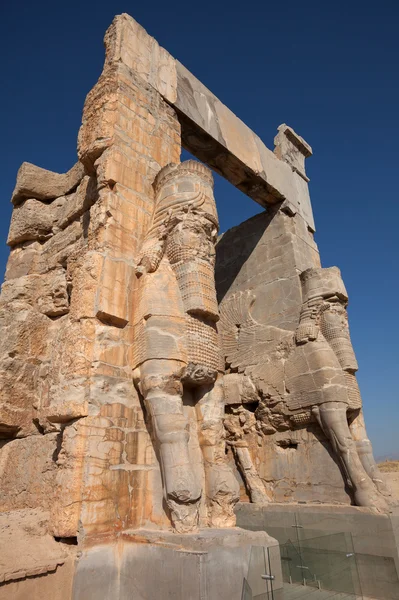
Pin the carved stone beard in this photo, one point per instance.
(334, 327)
(190, 249)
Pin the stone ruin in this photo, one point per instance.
(153, 374)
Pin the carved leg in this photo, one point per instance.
(365, 452)
(162, 391)
(332, 419)
(257, 491)
(221, 486)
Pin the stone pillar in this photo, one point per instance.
(71, 416)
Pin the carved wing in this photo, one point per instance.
(251, 347)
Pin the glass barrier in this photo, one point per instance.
(378, 575)
(326, 562)
(264, 580)
(298, 578)
(319, 567)
(256, 587)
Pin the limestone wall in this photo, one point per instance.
(73, 435)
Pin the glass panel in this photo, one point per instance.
(332, 562)
(257, 568)
(325, 566)
(294, 568)
(264, 574)
(274, 573)
(379, 576)
(246, 591)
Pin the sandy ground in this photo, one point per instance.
(393, 482)
(390, 470)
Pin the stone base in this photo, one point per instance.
(156, 565)
(374, 537)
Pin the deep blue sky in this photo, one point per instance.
(328, 69)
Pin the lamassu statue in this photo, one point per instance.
(301, 377)
(177, 351)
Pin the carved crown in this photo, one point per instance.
(188, 167)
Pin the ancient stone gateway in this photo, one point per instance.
(153, 374)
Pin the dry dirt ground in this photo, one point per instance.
(390, 469)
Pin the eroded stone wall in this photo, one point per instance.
(71, 421)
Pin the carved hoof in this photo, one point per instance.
(259, 497)
(382, 487)
(182, 486)
(221, 481)
(184, 516)
(223, 494)
(372, 499)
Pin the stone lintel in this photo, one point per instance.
(214, 134)
(210, 130)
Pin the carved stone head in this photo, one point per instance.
(323, 283)
(325, 300)
(185, 210)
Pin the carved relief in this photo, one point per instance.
(303, 377)
(177, 346)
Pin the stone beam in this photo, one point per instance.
(212, 132)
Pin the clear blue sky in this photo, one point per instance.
(328, 69)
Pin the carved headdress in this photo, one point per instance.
(187, 186)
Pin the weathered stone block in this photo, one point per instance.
(35, 182)
(21, 290)
(77, 203)
(22, 260)
(57, 250)
(71, 361)
(84, 274)
(292, 148)
(22, 487)
(298, 468)
(47, 293)
(66, 507)
(17, 395)
(31, 220)
(53, 297)
(26, 333)
(27, 551)
(127, 41)
(112, 306)
(212, 564)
